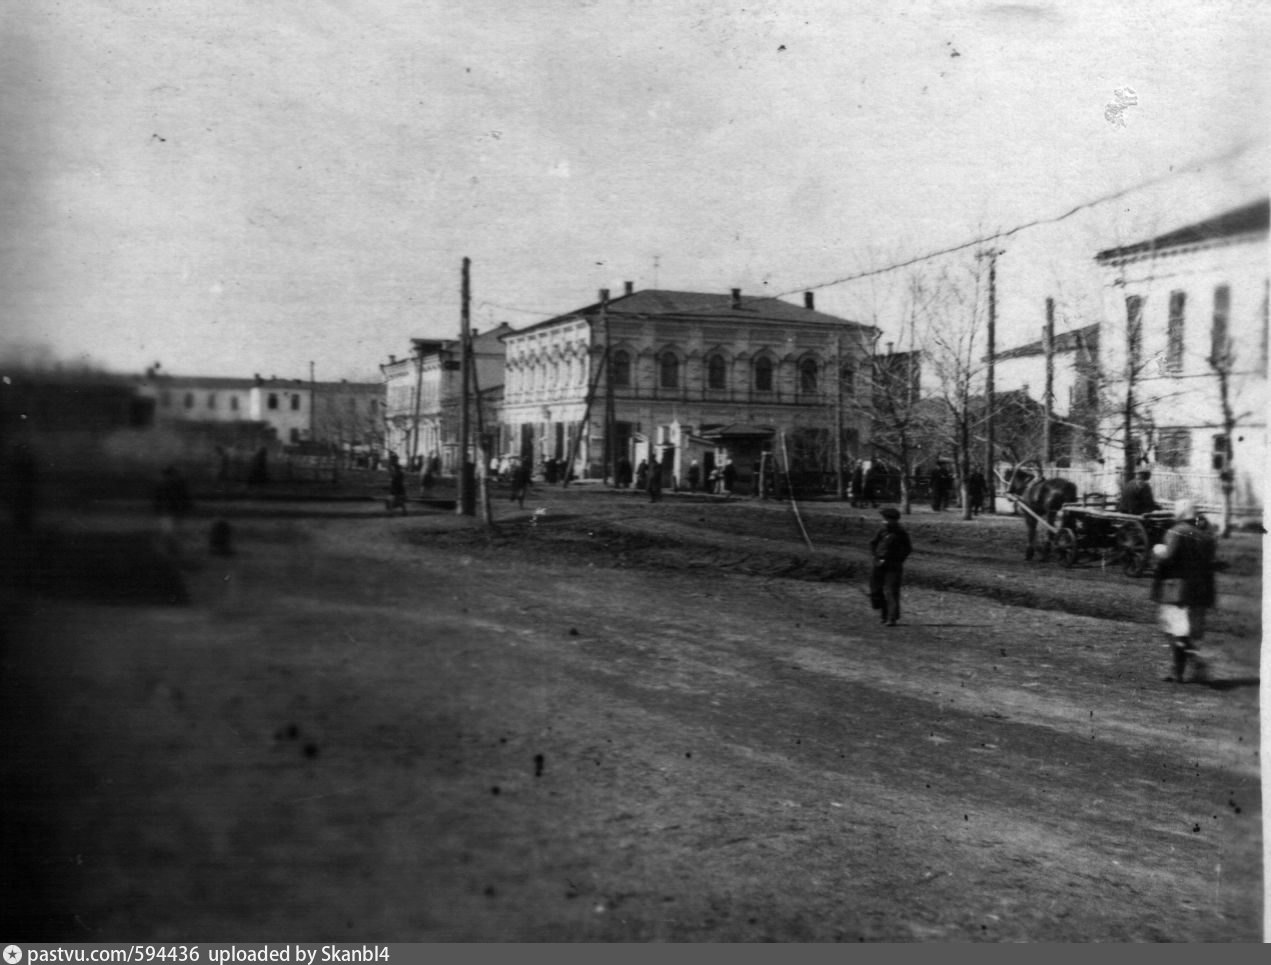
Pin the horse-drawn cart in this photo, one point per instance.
(1088, 531)
(1111, 537)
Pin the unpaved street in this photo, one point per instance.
(606, 720)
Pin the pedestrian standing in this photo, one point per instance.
(655, 481)
(396, 488)
(976, 486)
(1183, 587)
(890, 547)
(520, 482)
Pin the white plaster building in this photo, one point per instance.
(421, 393)
(1179, 307)
(693, 376)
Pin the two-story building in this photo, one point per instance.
(422, 395)
(691, 376)
(1184, 351)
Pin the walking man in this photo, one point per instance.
(891, 547)
(1183, 586)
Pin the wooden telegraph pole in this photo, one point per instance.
(1048, 400)
(990, 475)
(840, 480)
(610, 473)
(466, 503)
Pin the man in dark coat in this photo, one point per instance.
(655, 481)
(1137, 498)
(1183, 586)
(890, 547)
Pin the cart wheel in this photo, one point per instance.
(1132, 544)
(1066, 547)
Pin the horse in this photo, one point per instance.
(1045, 497)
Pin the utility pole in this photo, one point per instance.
(419, 391)
(840, 482)
(465, 505)
(1048, 399)
(990, 460)
(483, 455)
(313, 401)
(610, 472)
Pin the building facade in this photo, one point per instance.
(691, 377)
(422, 394)
(340, 414)
(1184, 348)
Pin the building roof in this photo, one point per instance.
(698, 306)
(1248, 219)
(1063, 342)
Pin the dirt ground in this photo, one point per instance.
(606, 720)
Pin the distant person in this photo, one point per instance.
(1183, 587)
(642, 475)
(520, 482)
(258, 474)
(1137, 498)
(654, 484)
(624, 473)
(941, 487)
(396, 488)
(171, 504)
(729, 476)
(890, 547)
(976, 489)
(694, 476)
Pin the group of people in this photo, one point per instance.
(1183, 583)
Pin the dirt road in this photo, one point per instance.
(606, 720)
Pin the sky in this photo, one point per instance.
(230, 187)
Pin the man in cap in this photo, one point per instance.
(1137, 498)
(891, 547)
(1183, 586)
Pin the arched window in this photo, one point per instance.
(669, 371)
(848, 375)
(716, 373)
(763, 374)
(807, 375)
(621, 367)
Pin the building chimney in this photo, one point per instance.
(736, 298)
(809, 301)
(628, 287)
(392, 359)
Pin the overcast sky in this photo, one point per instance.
(237, 186)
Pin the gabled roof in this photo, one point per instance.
(700, 306)
(1063, 342)
(1248, 219)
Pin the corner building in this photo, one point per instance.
(715, 378)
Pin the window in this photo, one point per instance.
(1174, 448)
(273, 400)
(763, 374)
(1134, 331)
(295, 435)
(807, 376)
(375, 405)
(1174, 342)
(189, 400)
(716, 370)
(847, 377)
(621, 366)
(211, 400)
(1219, 343)
(1222, 453)
(669, 371)
(295, 403)
(233, 402)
